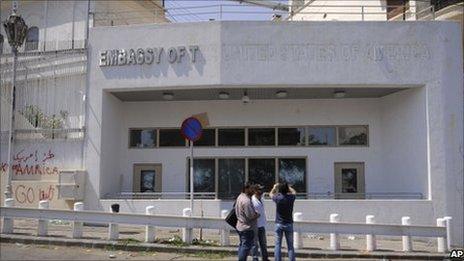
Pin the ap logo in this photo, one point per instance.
(457, 254)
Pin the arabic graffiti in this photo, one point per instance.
(32, 163)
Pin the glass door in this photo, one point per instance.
(349, 181)
(147, 178)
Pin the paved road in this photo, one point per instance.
(17, 251)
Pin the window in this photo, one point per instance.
(32, 39)
(293, 171)
(230, 174)
(323, 136)
(286, 136)
(204, 172)
(261, 137)
(231, 137)
(171, 138)
(352, 135)
(262, 171)
(142, 138)
(291, 136)
(231, 178)
(208, 138)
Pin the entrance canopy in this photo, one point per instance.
(253, 94)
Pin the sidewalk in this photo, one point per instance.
(132, 237)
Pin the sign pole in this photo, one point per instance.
(191, 177)
(192, 130)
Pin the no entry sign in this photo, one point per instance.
(191, 129)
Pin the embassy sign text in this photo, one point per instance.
(141, 56)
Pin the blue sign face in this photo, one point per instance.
(191, 129)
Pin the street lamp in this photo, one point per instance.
(16, 30)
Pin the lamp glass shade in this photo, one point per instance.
(16, 30)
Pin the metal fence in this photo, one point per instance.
(49, 95)
(329, 10)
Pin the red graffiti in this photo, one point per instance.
(20, 157)
(27, 194)
(47, 194)
(48, 156)
(31, 164)
(23, 194)
(4, 167)
(34, 170)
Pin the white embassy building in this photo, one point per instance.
(361, 117)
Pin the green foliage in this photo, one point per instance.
(204, 242)
(39, 120)
(129, 241)
(210, 255)
(175, 240)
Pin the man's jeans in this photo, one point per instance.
(261, 238)
(246, 243)
(288, 230)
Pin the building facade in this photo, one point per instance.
(361, 118)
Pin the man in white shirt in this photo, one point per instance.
(260, 234)
(246, 221)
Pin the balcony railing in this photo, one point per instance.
(213, 195)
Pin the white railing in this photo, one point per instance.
(160, 195)
(188, 222)
(303, 195)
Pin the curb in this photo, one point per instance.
(118, 245)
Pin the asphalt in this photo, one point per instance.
(124, 245)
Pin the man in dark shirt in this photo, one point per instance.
(284, 197)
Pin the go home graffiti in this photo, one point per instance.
(31, 194)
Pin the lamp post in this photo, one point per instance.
(16, 30)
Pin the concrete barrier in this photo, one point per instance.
(225, 233)
(407, 242)
(150, 230)
(78, 227)
(8, 223)
(187, 233)
(297, 235)
(441, 241)
(113, 228)
(187, 223)
(42, 229)
(371, 244)
(334, 240)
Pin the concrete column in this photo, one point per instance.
(150, 230)
(370, 238)
(42, 229)
(448, 231)
(187, 232)
(407, 242)
(113, 229)
(77, 225)
(334, 240)
(225, 233)
(441, 241)
(8, 223)
(297, 236)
